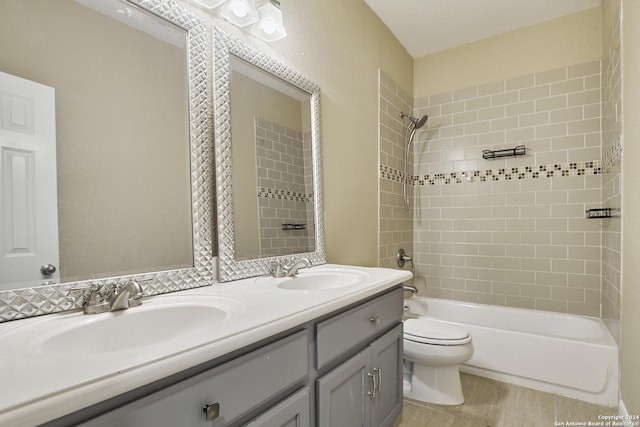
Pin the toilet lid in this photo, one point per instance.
(431, 331)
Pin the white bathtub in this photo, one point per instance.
(570, 355)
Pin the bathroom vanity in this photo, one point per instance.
(215, 342)
(282, 356)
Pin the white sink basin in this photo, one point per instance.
(159, 322)
(319, 280)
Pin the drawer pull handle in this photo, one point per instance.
(378, 373)
(211, 411)
(375, 319)
(372, 394)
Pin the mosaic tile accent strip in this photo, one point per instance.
(274, 193)
(501, 174)
(613, 154)
(391, 174)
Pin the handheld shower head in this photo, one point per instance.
(417, 123)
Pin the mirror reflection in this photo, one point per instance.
(268, 161)
(95, 162)
(271, 146)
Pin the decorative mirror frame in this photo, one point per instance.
(228, 267)
(28, 302)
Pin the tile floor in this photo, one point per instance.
(490, 403)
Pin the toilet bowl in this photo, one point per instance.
(435, 350)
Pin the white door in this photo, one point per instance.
(28, 192)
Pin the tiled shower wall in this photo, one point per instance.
(512, 231)
(611, 178)
(396, 223)
(284, 195)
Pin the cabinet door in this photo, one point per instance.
(342, 394)
(386, 358)
(295, 411)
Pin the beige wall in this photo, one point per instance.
(341, 45)
(572, 39)
(630, 312)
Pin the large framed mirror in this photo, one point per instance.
(120, 91)
(268, 161)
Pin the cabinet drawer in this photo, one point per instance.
(339, 333)
(236, 387)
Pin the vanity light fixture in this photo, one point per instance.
(210, 4)
(240, 12)
(269, 26)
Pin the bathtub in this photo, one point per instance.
(569, 355)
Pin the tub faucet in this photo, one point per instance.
(409, 288)
(127, 296)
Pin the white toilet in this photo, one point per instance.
(435, 349)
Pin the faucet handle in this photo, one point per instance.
(95, 303)
(276, 269)
(136, 296)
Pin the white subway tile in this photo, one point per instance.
(454, 107)
(520, 82)
(553, 252)
(551, 278)
(534, 93)
(477, 103)
(582, 70)
(505, 98)
(550, 131)
(567, 266)
(551, 103)
(491, 88)
(520, 108)
(568, 86)
(566, 115)
(550, 76)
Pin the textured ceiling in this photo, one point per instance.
(428, 26)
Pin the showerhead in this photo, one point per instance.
(417, 123)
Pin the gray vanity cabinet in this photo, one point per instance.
(341, 370)
(366, 390)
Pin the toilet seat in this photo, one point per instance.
(431, 331)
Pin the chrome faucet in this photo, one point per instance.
(278, 269)
(292, 269)
(95, 303)
(126, 296)
(129, 295)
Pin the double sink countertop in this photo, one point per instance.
(57, 364)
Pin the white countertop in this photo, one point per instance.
(39, 386)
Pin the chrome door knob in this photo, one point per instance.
(48, 269)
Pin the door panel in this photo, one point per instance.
(342, 394)
(28, 191)
(386, 356)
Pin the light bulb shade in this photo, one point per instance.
(269, 26)
(240, 12)
(210, 4)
